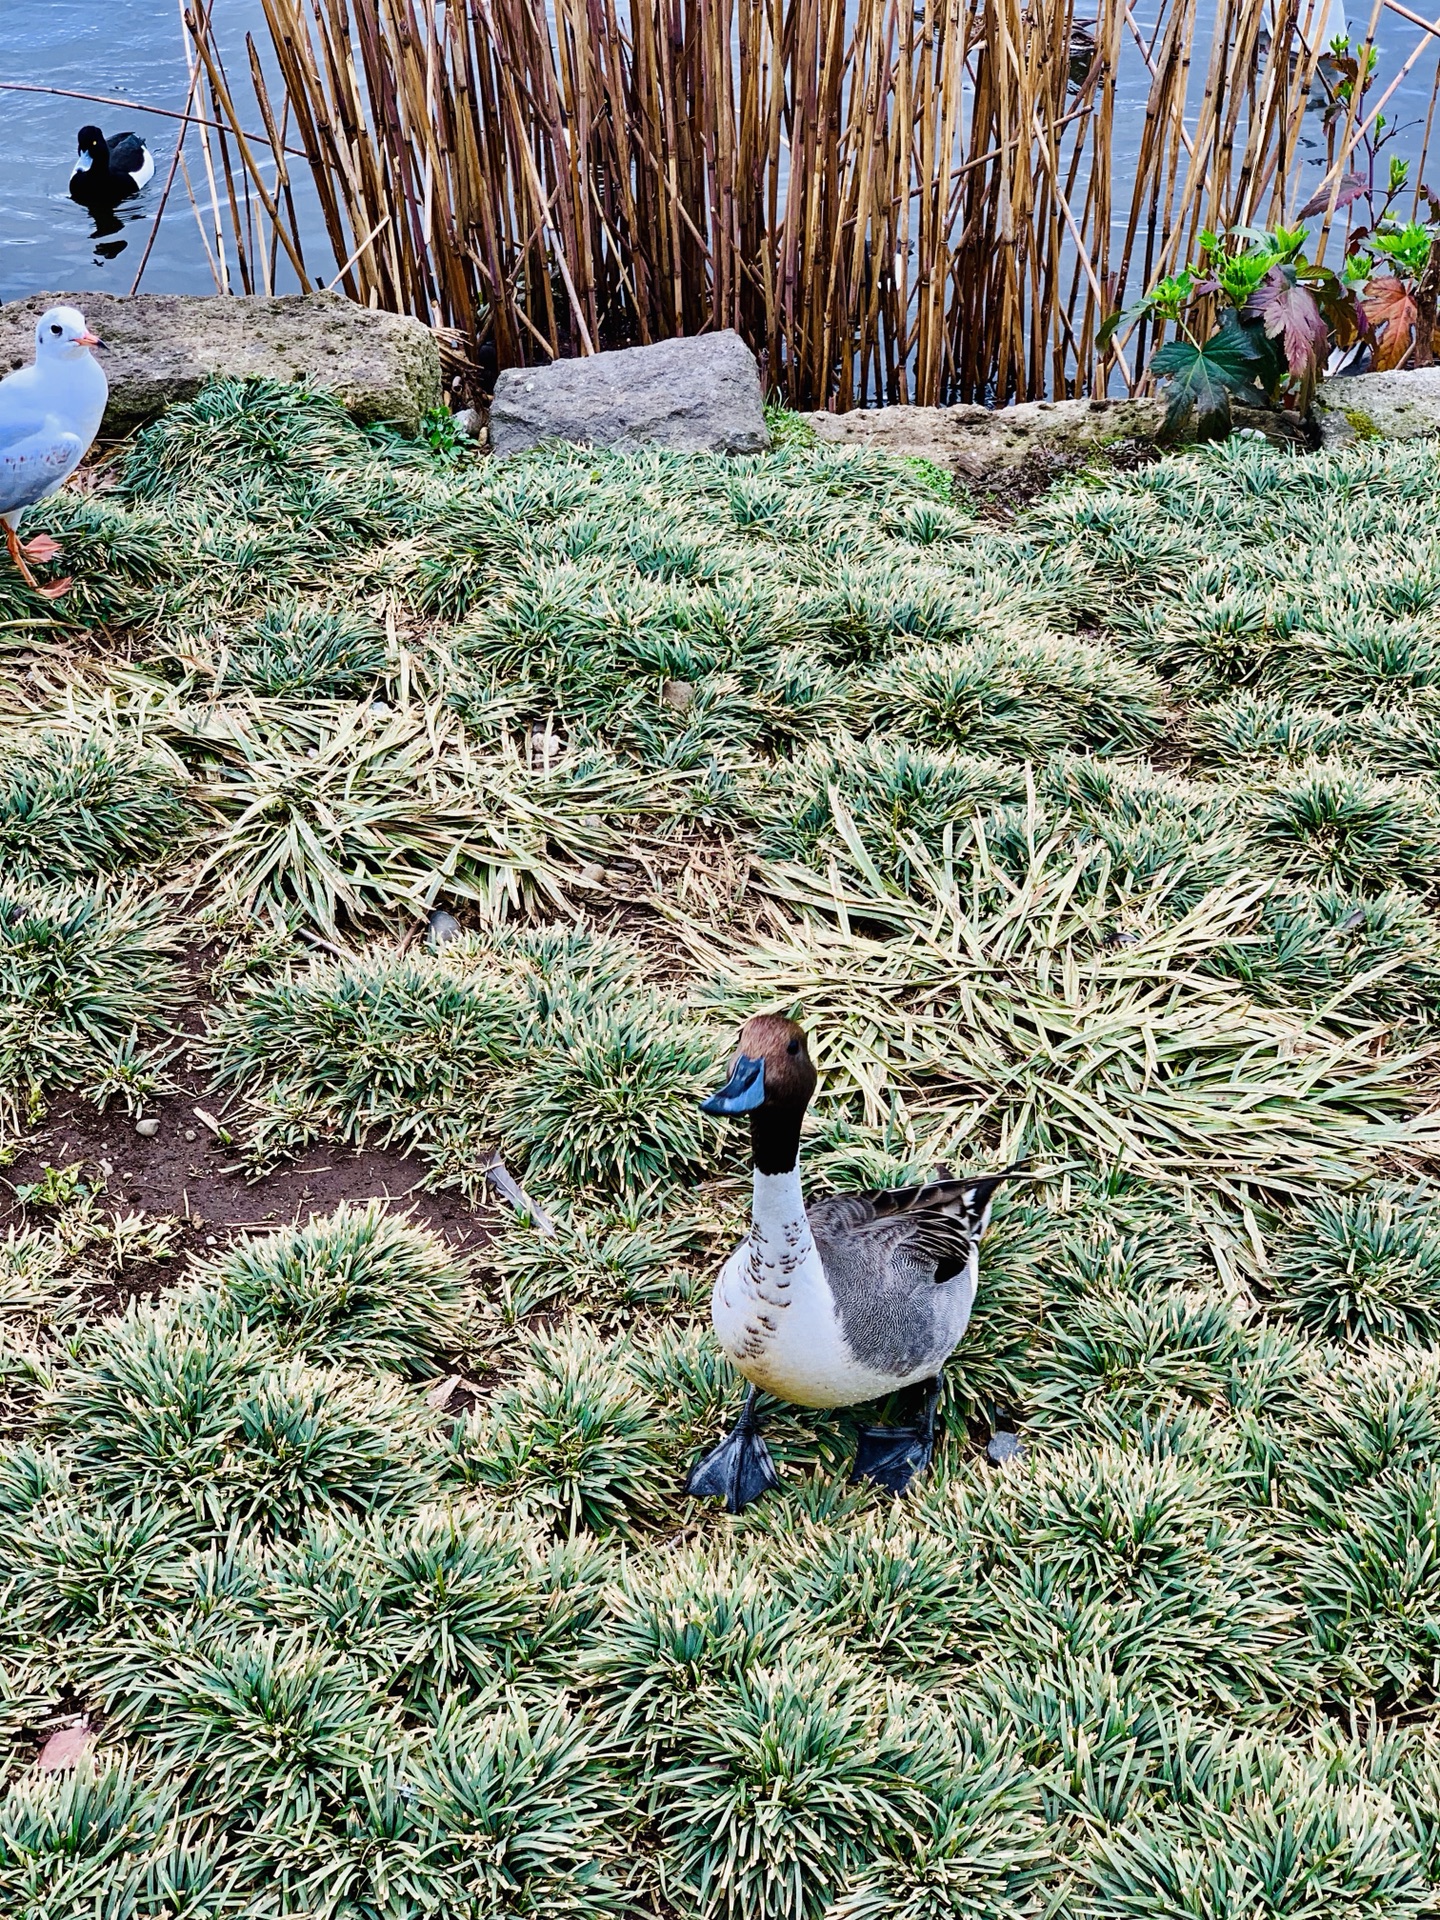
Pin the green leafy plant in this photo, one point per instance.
(786, 1781)
(574, 1436)
(610, 1100)
(56, 1187)
(1269, 343)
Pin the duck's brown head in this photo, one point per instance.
(772, 1078)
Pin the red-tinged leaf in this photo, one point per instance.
(1390, 309)
(65, 1748)
(1290, 313)
(1353, 187)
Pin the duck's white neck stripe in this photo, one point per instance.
(778, 1202)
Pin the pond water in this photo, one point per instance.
(133, 50)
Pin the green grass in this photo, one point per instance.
(88, 976)
(1109, 836)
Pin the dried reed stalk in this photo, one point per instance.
(903, 200)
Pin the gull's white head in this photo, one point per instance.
(61, 334)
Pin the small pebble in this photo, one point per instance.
(63, 1749)
(147, 1129)
(676, 694)
(380, 709)
(1005, 1449)
(210, 1240)
(106, 1170)
(467, 423)
(189, 1133)
(439, 1395)
(444, 927)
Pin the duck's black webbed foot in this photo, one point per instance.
(892, 1456)
(740, 1469)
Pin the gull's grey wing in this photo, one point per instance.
(36, 464)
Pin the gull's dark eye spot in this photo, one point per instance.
(794, 1047)
(57, 329)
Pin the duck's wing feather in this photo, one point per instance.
(35, 464)
(929, 1227)
(886, 1257)
(129, 155)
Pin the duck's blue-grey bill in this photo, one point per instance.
(742, 1092)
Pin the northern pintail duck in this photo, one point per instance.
(841, 1299)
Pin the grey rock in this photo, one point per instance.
(147, 1129)
(1005, 1449)
(468, 423)
(700, 395)
(163, 347)
(677, 694)
(1379, 406)
(444, 927)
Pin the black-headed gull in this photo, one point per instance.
(109, 170)
(49, 415)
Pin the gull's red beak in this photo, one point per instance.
(88, 340)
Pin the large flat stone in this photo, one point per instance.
(700, 395)
(165, 346)
(1379, 406)
(979, 441)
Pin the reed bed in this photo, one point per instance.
(889, 202)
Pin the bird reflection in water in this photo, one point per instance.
(107, 222)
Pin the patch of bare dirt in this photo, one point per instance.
(185, 1172)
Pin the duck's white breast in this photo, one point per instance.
(774, 1313)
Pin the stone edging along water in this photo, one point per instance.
(384, 366)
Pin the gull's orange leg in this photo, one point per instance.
(18, 555)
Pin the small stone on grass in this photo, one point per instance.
(65, 1748)
(1005, 1449)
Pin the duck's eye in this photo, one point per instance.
(794, 1047)
(57, 329)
